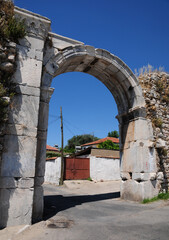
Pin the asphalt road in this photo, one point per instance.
(72, 214)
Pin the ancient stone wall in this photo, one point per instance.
(155, 87)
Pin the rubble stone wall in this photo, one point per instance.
(155, 87)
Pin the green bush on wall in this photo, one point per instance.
(10, 27)
(15, 29)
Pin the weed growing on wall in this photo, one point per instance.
(161, 196)
(10, 27)
(157, 122)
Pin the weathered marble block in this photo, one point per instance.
(24, 68)
(24, 111)
(18, 158)
(137, 191)
(15, 207)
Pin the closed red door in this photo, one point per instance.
(77, 168)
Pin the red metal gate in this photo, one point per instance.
(77, 168)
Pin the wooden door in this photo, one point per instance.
(77, 168)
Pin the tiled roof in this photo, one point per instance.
(114, 140)
(51, 158)
(49, 148)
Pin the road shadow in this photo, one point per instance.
(57, 203)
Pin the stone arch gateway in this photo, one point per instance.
(43, 55)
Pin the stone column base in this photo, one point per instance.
(15, 207)
(137, 191)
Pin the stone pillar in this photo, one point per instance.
(17, 169)
(46, 94)
(18, 157)
(138, 157)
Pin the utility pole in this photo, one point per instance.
(62, 156)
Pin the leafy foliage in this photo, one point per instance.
(89, 179)
(7, 91)
(108, 144)
(113, 134)
(10, 27)
(79, 140)
(15, 29)
(50, 154)
(161, 196)
(157, 122)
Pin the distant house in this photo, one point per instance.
(101, 165)
(53, 170)
(51, 149)
(52, 166)
(95, 144)
(104, 163)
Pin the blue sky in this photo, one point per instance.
(137, 31)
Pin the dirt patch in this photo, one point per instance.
(59, 223)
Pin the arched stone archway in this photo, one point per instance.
(138, 164)
(41, 57)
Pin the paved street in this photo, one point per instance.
(93, 211)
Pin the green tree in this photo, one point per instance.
(113, 134)
(108, 144)
(79, 140)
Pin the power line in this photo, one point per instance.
(65, 124)
(54, 116)
(55, 120)
(73, 126)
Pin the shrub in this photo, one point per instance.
(164, 152)
(166, 96)
(15, 29)
(10, 27)
(157, 122)
(108, 144)
(160, 85)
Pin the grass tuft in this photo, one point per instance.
(161, 196)
(89, 179)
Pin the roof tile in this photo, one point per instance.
(114, 140)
